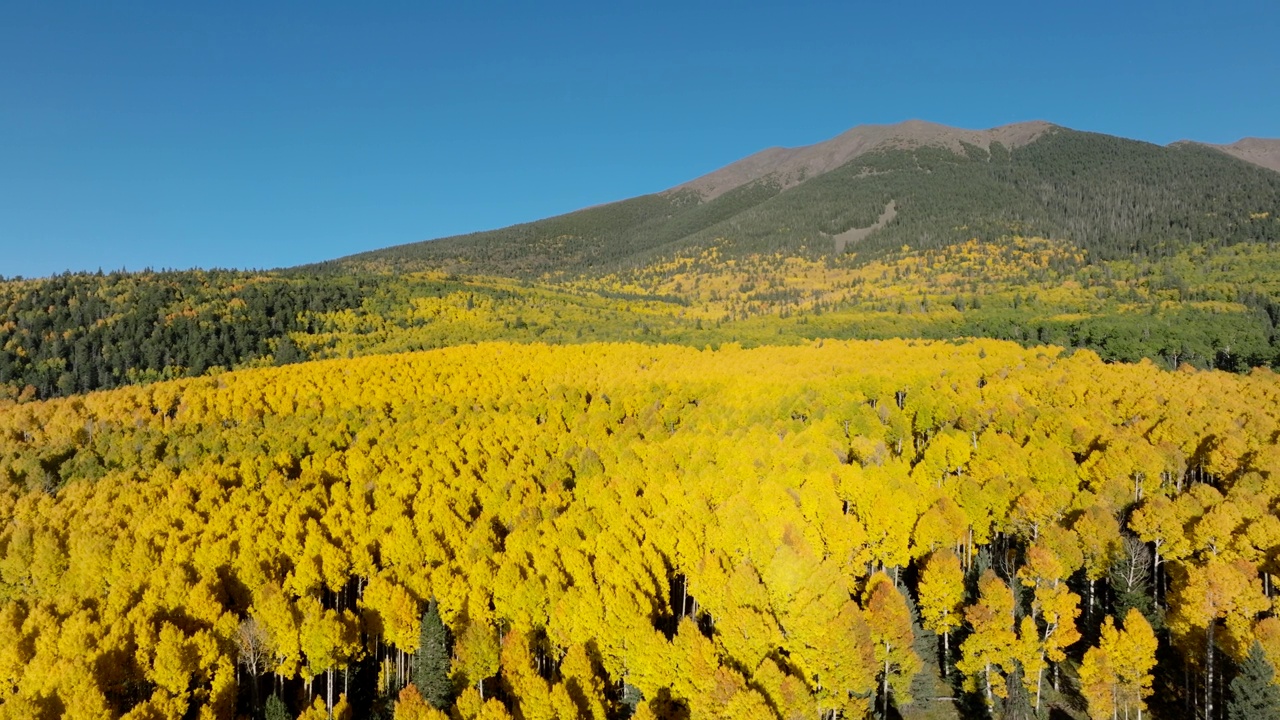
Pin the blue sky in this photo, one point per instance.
(242, 134)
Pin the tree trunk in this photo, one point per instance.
(1039, 678)
(684, 594)
(328, 692)
(884, 684)
(946, 652)
(1208, 685)
(1155, 575)
(255, 694)
(986, 672)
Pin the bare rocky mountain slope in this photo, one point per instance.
(1259, 151)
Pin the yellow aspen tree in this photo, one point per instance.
(16, 650)
(1136, 655)
(1098, 532)
(534, 698)
(584, 683)
(943, 525)
(410, 706)
(471, 706)
(989, 653)
(176, 660)
(1207, 594)
(329, 640)
(316, 711)
(281, 621)
(1029, 653)
(1267, 633)
(1115, 677)
(1053, 605)
(391, 612)
(1213, 531)
(342, 709)
(1098, 677)
(941, 593)
(786, 692)
(747, 704)
(1158, 521)
(889, 621)
(478, 654)
(82, 698)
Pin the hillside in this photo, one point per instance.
(1112, 197)
(525, 531)
(1209, 306)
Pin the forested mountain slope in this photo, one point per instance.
(1110, 196)
(1210, 306)
(80, 332)
(1139, 251)
(593, 531)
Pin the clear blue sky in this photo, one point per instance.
(264, 134)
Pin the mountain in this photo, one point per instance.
(877, 188)
(1028, 232)
(1259, 151)
(792, 166)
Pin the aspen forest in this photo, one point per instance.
(834, 529)
(969, 424)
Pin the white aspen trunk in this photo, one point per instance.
(328, 692)
(1155, 576)
(1039, 678)
(946, 652)
(884, 685)
(986, 672)
(1208, 686)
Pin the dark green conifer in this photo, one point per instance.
(275, 709)
(431, 667)
(1254, 695)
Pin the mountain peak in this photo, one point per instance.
(791, 166)
(1259, 151)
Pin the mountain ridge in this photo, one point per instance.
(1113, 197)
(793, 165)
(1263, 152)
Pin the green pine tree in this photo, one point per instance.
(431, 668)
(1253, 694)
(275, 709)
